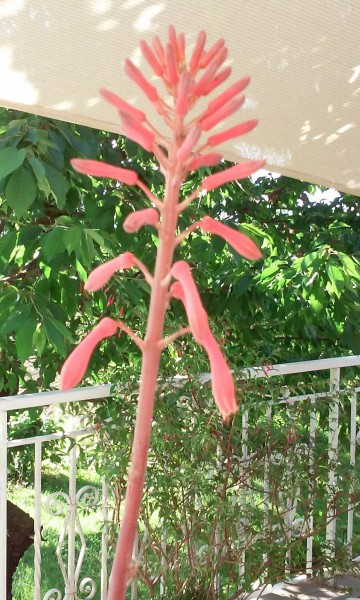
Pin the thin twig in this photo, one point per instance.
(171, 338)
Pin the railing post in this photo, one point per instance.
(244, 469)
(3, 501)
(350, 523)
(72, 580)
(104, 540)
(332, 456)
(37, 521)
(134, 581)
(312, 488)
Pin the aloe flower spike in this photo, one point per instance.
(176, 152)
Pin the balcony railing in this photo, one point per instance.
(67, 507)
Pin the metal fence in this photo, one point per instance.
(67, 507)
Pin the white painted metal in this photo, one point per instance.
(37, 520)
(135, 557)
(312, 441)
(67, 504)
(104, 539)
(244, 468)
(53, 398)
(71, 589)
(3, 501)
(332, 459)
(164, 563)
(350, 523)
(305, 366)
(267, 490)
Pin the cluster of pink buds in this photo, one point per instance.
(187, 147)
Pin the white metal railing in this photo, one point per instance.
(67, 504)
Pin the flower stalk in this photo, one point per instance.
(178, 153)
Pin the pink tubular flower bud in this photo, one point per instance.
(151, 58)
(235, 89)
(133, 72)
(205, 160)
(239, 171)
(173, 42)
(218, 80)
(207, 77)
(222, 113)
(182, 94)
(159, 50)
(171, 69)
(221, 380)
(181, 47)
(222, 383)
(196, 313)
(121, 105)
(198, 50)
(188, 144)
(146, 216)
(101, 275)
(76, 364)
(235, 131)
(239, 241)
(209, 73)
(209, 55)
(134, 130)
(96, 168)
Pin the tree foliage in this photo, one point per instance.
(299, 302)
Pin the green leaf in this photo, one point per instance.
(87, 247)
(29, 233)
(72, 239)
(352, 268)
(59, 185)
(39, 172)
(39, 340)
(53, 243)
(7, 245)
(336, 277)
(7, 300)
(10, 160)
(55, 337)
(308, 260)
(93, 233)
(65, 332)
(269, 271)
(24, 339)
(20, 191)
(80, 269)
(315, 303)
(16, 320)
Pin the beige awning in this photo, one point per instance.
(303, 56)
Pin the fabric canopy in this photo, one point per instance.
(303, 57)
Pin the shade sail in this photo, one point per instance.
(303, 57)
